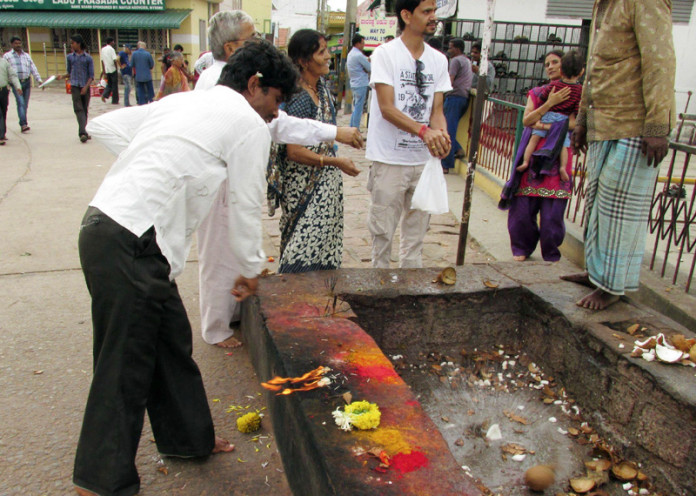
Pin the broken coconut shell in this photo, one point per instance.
(600, 465)
(582, 484)
(668, 355)
(624, 471)
(447, 276)
(539, 477)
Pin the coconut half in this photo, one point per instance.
(668, 355)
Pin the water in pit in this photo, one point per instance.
(466, 396)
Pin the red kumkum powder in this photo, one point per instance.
(381, 373)
(408, 462)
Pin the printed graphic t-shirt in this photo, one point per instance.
(394, 65)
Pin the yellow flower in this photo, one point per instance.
(250, 422)
(360, 414)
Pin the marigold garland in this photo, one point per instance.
(359, 414)
(250, 422)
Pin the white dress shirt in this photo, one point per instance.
(285, 128)
(174, 155)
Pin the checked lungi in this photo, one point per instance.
(620, 185)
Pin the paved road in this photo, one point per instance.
(47, 178)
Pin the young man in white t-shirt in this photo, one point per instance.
(407, 126)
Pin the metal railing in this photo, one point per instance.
(671, 246)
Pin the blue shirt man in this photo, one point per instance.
(81, 74)
(142, 63)
(126, 72)
(359, 71)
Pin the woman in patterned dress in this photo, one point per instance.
(308, 179)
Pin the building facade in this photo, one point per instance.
(45, 27)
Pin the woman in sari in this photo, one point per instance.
(175, 79)
(527, 194)
(307, 180)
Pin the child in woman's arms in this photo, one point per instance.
(572, 68)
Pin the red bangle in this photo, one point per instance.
(423, 130)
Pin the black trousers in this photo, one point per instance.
(111, 87)
(142, 360)
(80, 104)
(4, 101)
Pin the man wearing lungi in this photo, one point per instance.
(626, 113)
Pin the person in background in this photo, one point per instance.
(309, 183)
(436, 43)
(142, 63)
(388, 38)
(81, 74)
(25, 69)
(407, 126)
(164, 61)
(537, 202)
(8, 76)
(359, 71)
(204, 61)
(184, 64)
(457, 100)
(175, 80)
(109, 61)
(126, 73)
(217, 265)
(475, 62)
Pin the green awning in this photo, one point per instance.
(164, 19)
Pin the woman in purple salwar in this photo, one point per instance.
(528, 195)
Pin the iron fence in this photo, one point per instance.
(518, 50)
(671, 246)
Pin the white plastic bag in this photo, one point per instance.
(431, 190)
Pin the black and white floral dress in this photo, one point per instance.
(311, 198)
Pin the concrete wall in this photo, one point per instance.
(295, 14)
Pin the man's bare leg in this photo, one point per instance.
(230, 342)
(582, 278)
(222, 446)
(598, 300)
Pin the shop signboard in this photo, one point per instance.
(374, 27)
(446, 8)
(82, 5)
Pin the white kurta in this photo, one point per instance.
(170, 169)
(217, 265)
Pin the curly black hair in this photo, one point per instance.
(260, 57)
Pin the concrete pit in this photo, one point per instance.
(505, 345)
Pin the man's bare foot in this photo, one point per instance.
(84, 492)
(582, 278)
(564, 176)
(598, 300)
(230, 342)
(222, 446)
(523, 167)
(519, 258)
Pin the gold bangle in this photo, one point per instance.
(321, 160)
